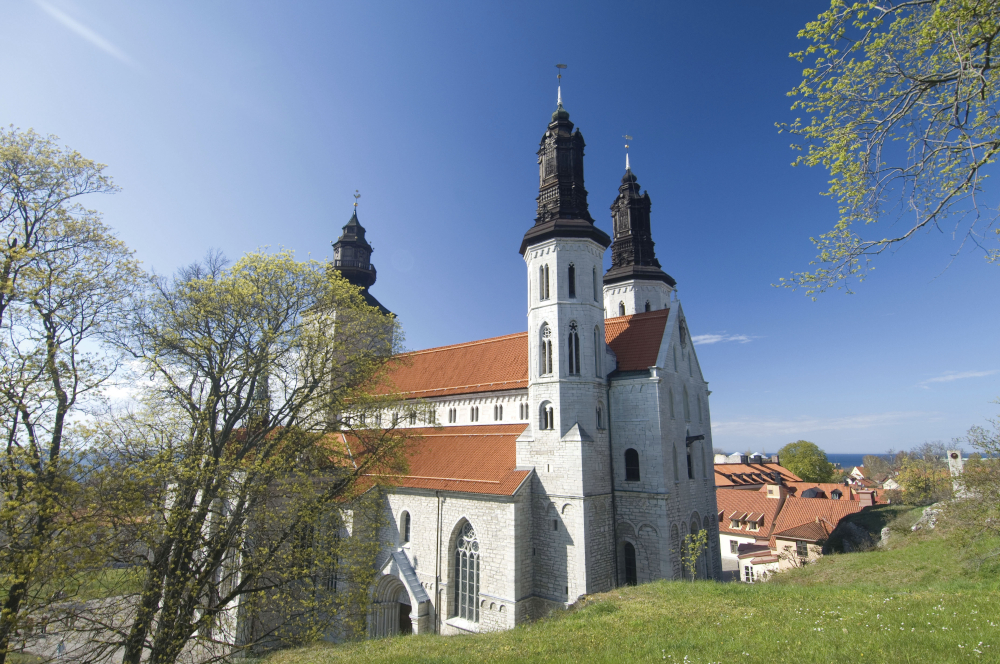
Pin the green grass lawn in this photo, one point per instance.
(915, 602)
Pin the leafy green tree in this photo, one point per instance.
(901, 99)
(692, 550)
(63, 279)
(244, 495)
(875, 465)
(806, 460)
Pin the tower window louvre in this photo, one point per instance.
(647, 306)
(574, 350)
(571, 278)
(631, 465)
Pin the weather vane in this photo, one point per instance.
(356, 197)
(628, 139)
(559, 68)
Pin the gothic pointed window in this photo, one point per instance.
(574, 350)
(600, 417)
(687, 405)
(404, 528)
(545, 351)
(647, 306)
(690, 463)
(631, 465)
(621, 308)
(545, 282)
(631, 575)
(670, 394)
(597, 351)
(597, 290)
(467, 574)
(571, 278)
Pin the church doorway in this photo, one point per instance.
(390, 612)
(405, 623)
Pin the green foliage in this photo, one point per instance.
(692, 548)
(63, 280)
(234, 481)
(844, 608)
(923, 481)
(901, 100)
(976, 510)
(806, 460)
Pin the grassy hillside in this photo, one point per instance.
(915, 602)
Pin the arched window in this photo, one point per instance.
(631, 576)
(677, 476)
(690, 462)
(474, 414)
(670, 393)
(543, 286)
(598, 348)
(467, 574)
(597, 290)
(631, 465)
(545, 416)
(648, 308)
(413, 417)
(621, 308)
(571, 278)
(574, 350)
(404, 528)
(687, 405)
(600, 417)
(545, 351)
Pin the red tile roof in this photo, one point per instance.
(471, 459)
(799, 511)
(501, 363)
(739, 503)
(488, 365)
(814, 531)
(742, 474)
(636, 339)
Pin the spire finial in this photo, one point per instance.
(559, 68)
(627, 139)
(356, 197)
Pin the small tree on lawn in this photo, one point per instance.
(691, 551)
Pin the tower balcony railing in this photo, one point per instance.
(353, 262)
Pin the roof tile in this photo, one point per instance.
(636, 338)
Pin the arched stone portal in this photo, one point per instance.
(391, 607)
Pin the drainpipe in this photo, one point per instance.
(614, 508)
(437, 569)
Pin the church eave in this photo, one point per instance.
(617, 275)
(573, 228)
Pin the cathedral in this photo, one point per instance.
(562, 461)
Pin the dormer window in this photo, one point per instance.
(734, 524)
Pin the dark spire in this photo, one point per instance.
(632, 255)
(562, 199)
(352, 258)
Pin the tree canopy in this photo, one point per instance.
(901, 99)
(806, 460)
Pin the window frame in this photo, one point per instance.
(632, 465)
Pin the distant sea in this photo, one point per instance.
(847, 461)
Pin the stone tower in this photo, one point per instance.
(567, 442)
(635, 282)
(352, 259)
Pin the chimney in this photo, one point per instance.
(744, 459)
(775, 459)
(776, 491)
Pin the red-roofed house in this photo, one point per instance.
(561, 461)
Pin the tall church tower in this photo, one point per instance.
(567, 442)
(635, 283)
(352, 258)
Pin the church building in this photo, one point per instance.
(562, 461)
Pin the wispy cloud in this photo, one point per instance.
(86, 33)
(955, 375)
(706, 339)
(797, 427)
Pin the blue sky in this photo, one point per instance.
(244, 124)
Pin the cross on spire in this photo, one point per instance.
(559, 69)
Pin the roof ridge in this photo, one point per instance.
(641, 314)
(477, 342)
